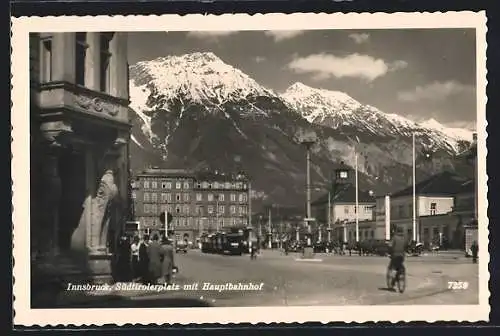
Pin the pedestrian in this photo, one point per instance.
(474, 249)
(144, 260)
(134, 248)
(123, 261)
(155, 262)
(167, 258)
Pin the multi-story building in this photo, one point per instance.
(222, 201)
(79, 134)
(157, 191)
(199, 202)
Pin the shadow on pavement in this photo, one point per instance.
(386, 289)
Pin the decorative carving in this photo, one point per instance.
(103, 207)
(96, 104)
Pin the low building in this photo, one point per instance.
(434, 202)
(343, 213)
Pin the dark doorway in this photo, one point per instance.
(72, 173)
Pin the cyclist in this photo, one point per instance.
(397, 253)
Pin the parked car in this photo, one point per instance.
(181, 246)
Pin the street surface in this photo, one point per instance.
(289, 281)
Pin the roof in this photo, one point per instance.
(467, 187)
(445, 183)
(220, 176)
(346, 194)
(163, 172)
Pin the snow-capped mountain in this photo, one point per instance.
(196, 111)
(452, 132)
(338, 110)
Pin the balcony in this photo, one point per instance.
(76, 101)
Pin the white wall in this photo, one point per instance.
(443, 205)
(342, 212)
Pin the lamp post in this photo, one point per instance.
(217, 212)
(414, 217)
(308, 142)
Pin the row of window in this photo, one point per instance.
(81, 54)
(399, 211)
(152, 184)
(366, 208)
(185, 197)
(194, 222)
(199, 210)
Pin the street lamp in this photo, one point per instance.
(217, 212)
(308, 141)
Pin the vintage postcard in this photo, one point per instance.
(237, 168)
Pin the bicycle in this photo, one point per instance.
(398, 277)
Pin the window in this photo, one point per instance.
(355, 209)
(154, 208)
(233, 197)
(433, 208)
(343, 174)
(105, 65)
(146, 184)
(210, 209)
(46, 59)
(244, 209)
(346, 210)
(210, 197)
(198, 185)
(163, 185)
(241, 210)
(178, 185)
(163, 197)
(205, 185)
(233, 209)
(210, 186)
(186, 197)
(186, 185)
(216, 185)
(199, 197)
(169, 208)
(154, 197)
(199, 210)
(169, 185)
(221, 209)
(80, 56)
(154, 185)
(169, 197)
(147, 208)
(146, 197)
(163, 207)
(177, 209)
(228, 185)
(177, 197)
(186, 209)
(241, 198)
(373, 234)
(221, 197)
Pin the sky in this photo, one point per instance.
(417, 73)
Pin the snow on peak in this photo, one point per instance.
(318, 103)
(453, 133)
(200, 77)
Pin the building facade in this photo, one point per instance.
(200, 202)
(343, 214)
(80, 129)
(435, 201)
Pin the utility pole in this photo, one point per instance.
(270, 235)
(414, 221)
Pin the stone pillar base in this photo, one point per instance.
(308, 253)
(100, 267)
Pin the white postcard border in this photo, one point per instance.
(24, 315)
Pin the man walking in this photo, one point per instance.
(168, 261)
(155, 259)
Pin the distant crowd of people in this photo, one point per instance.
(149, 261)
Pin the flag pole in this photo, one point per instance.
(357, 197)
(414, 192)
